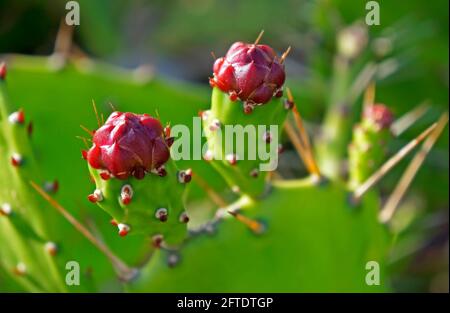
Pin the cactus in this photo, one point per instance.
(301, 236)
(129, 161)
(247, 89)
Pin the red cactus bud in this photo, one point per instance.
(157, 240)
(105, 175)
(250, 72)
(2, 71)
(380, 115)
(97, 196)
(84, 154)
(254, 173)
(113, 222)
(129, 144)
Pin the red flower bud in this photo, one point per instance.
(380, 115)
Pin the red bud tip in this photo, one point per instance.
(167, 131)
(279, 93)
(185, 176)
(288, 104)
(17, 117)
(267, 137)
(51, 248)
(97, 196)
(248, 108)
(157, 240)
(126, 194)
(114, 222)
(84, 154)
(233, 96)
(52, 187)
(211, 82)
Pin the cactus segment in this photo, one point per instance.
(129, 162)
(241, 167)
(369, 144)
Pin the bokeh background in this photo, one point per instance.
(175, 38)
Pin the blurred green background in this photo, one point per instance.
(175, 39)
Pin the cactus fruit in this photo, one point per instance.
(251, 73)
(247, 86)
(369, 144)
(130, 164)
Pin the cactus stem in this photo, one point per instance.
(51, 248)
(124, 229)
(16, 160)
(185, 176)
(392, 203)
(184, 218)
(5, 209)
(393, 161)
(122, 269)
(126, 194)
(261, 33)
(255, 226)
(3, 71)
(212, 194)
(162, 214)
(407, 120)
(17, 117)
(369, 96)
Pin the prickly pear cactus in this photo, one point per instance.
(369, 144)
(129, 161)
(246, 97)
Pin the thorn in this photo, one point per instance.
(254, 226)
(16, 160)
(167, 131)
(126, 194)
(17, 117)
(406, 121)
(213, 55)
(369, 96)
(5, 209)
(124, 229)
(94, 106)
(392, 203)
(259, 37)
(212, 194)
(185, 176)
(122, 269)
(3, 71)
(285, 54)
(90, 132)
(162, 214)
(184, 218)
(389, 164)
(51, 248)
(96, 196)
(112, 106)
